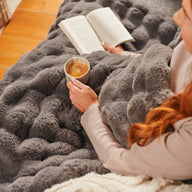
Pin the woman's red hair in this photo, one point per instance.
(160, 119)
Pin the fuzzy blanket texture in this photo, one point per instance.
(41, 140)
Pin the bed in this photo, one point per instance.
(41, 140)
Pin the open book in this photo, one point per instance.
(87, 32)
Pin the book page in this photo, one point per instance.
(108, 26)
(81, 34)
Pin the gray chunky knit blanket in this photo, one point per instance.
(41, 140)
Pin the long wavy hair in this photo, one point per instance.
(160, 119)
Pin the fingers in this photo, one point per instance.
(78, 83)
(73, 91)
(81, 96)
(118, 49)
(107, 47)
(76, 88)
(75, 84)
(70, 85)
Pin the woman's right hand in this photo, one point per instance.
(81, 95)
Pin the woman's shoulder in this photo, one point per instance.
(184, 124)
(180, 51)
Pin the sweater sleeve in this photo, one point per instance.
(169, 156)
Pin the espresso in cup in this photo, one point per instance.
(77, 67)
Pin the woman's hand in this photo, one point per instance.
(81, 95)
(118, 49)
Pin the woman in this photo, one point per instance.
(154, 150)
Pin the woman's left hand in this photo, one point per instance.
(81, 95)
(117, 50)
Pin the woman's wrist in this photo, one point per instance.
(92, 103)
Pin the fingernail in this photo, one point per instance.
(102, 43)
(72, 79)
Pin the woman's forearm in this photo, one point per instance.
(164, 157)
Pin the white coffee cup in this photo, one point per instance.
(78, 68)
